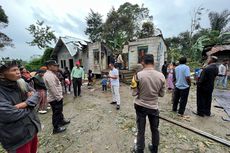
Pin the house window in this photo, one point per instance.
(63, 64)
(96, 56)
(142, 50)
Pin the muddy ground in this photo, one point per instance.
(97, 127)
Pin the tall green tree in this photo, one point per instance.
(94, 26)
(4, 39)
(124, 24)
(147, 30)
(219, 21)
(42, 34)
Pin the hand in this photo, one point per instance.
(29, 94)
(21, 105)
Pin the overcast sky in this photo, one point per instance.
(67, 17)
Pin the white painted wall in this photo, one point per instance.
(156, 46)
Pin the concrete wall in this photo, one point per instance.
(96, 68)
(156, 47)
(63, 54)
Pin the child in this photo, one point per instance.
(104, 83)
(170, 83)
(90, 77)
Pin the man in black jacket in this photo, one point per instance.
(19, 123)
(205, 86)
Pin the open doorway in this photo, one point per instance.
(71, 64)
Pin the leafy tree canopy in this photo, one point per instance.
(124, 24)
(94, 26)
(42, 34)
(219, 21)
(4, 39)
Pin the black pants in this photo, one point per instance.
(180, 95)
(77, 82)
(119, 65)
(204, 101)
(57, 117)
(153, 115)
(104, 87)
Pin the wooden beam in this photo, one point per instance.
(197, 131)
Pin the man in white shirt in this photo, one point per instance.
(114, 79)
(222, 75)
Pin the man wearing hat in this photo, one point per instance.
(54, 96)
(77, 75)
(19, 122)
(205, 86)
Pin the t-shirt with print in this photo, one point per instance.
(181, 72)
(114, 82)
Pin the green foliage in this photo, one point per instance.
(210, 39)
(117, 43)
(43, 35)
(147, 30)
(4, 39)
(36, 63)
(122, 25)
(219, 21)
(3, 17)
(46, 55)
(94, 26)
(33, 65)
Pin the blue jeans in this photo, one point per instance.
(223, 80)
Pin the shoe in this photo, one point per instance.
(118, 107)
(153, 149)
(42, 111)
(64, 122)
(68, 93)
(48, 108)
(113, 102)
(135, 150)
(198, 114)
(59, 130)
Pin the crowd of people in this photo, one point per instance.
(22, 95)
(179, 82)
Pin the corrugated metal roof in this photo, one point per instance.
(72, 44)
(218, 48)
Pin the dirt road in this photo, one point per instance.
(97, 127)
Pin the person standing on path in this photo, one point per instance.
(164, 69)
(55, 96)
(67, 79)
(115, 84)
(151, 85)
(226, 62)
(40, 87)
(205, 86)
(119, 61)
(19, 123)
(77, 75)
(223, 74)
(183, 83)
